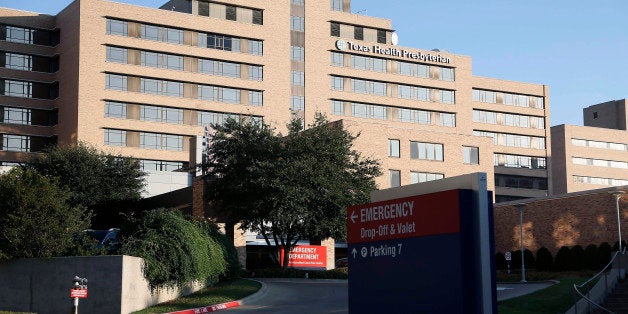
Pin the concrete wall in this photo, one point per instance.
(116, 285)
(164, 182)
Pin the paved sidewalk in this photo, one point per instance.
(512, 290)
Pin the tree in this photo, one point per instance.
(92, 177)
(35, 219)
(293, 187)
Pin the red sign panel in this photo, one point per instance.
(421, 215)
(304, 256)
(78, 293)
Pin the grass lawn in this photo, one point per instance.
(555, 299)
(220, 293)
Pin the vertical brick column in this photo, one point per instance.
(330, 244)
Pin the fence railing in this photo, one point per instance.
(579, 292)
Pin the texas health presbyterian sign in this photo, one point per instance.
(422, 253)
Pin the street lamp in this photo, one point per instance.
(618, 195)
(520, 207)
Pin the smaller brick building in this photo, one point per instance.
(581, 218)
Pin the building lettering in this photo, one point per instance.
(394, 52)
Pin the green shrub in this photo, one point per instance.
(544, 259)
(339, 273)
(561, 263)
(603, 255)
(176, 250)
(576, 258)
(528, 258)
(515, 262)
(233, 267)
(500, 261)
(590, 257)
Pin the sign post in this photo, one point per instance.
(508, 257)
(78, 291)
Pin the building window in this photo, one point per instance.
(256, 73)
(336, 5)
(337, 83)
(297, 78)
(335, 29)
(297, 23)
(298, 2)
(221, 68)
(160, 165)
(447, 74)
(447, 96)
(368, 87)
(20, 89)
(159, 87)
(255, 47)
(221, 42)
(394, 178)
(448, 119)
(517, 161)
(426, 151)
(337, 107)
(470, 155)
(358, 33)
(297, 53)
(419, 177)
(255, 98)
(337, 59)
(393, 148)
(161, 114)
(115, 137)
(12, 115)
(258, 17)
(368, 111)
(115, 27)
(19, 35)
(230, 13)
(161, 60)
(115, 110)
(18, 62)
(16, 143)
(116, 82)
(115, 54)
(381, 36)
(161, 141)
(297, 103)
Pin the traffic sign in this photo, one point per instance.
(78, 293)
(508, 256)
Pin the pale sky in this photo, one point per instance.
(578, 48)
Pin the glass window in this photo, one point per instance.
(116, 82)
(18, 89)
(15, 115)
(115, 54)
(470, 155)
(172, 142)
(297, 103)
(335, 29)
(336, 5)
(337, 59)
(18, 62)
(297, 53)
(447, 74)
(174, 36)
(297, 2)
(230, 95)
(393, 148)
(16, 143)
(173, 62)
(297, 78)
(230, 69)
(172, 115)
(151, 32)
(258, 16)
(116, 27)
(255, 47)
(19, 35)
(448, 119)
(419, 177)
(297, 23)
(115, 109)
(255, 98)
(359, 110)
(150, 113)
(337, 107)
(158, 165)
(256, 73)
(447, 96)
(426, 151)
(394, 178)
(115, 137)
(337, 83)
(150, 140)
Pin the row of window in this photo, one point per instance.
(175, 62)
(600, 181)
(394, 177)
(30, 36)
(297, 23)
(176, 89)
(599, 144)
(380, 112)
(25, 89)
(357, 32)
(230, 12)
(380, 65)
(12, 115)
(492, 97)
(521, 182)
(513, 140)
(498, 118)
(600, 162)
(148, 140)
(518, 161)
(23, 62)
(403, 91)
(166, 114)
(432, 151)
(161, 165)
(176, 36)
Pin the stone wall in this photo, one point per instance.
(581, 218)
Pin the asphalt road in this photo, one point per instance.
(300, 296)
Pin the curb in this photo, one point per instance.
(227, 305)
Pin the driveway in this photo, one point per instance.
(298, 296)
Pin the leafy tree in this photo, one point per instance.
(590, 257)
(561, 262)
(293, 187)
(175, 250)
(35, 219)
(544, 259)
(92, 177)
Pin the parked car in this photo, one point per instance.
(342, 262)
(107, 239)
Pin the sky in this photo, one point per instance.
(577, 48)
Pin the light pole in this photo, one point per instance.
(520, 206)
(618, 195)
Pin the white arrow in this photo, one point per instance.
(354, 252)
(353, 216)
